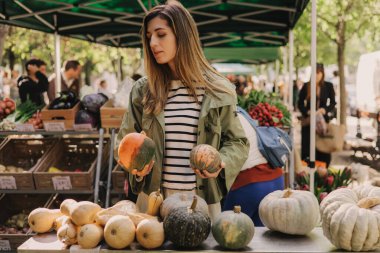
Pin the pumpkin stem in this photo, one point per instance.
(143, 133)
(194, 204)
(369, 202)
(287, 193)
(158, 192)
(237, 209)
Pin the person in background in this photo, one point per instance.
(70, 79)
(325, 106)
(32, 86)
(255, 180)
(182, 103)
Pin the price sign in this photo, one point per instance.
(5, 245)
(25, 128)
(54, 126)
(8, 183)
(62, 183)
(82, 127)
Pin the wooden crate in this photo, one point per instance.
(118, 177)
(111, 117)
(68, 155)
(67, 116)
(12, 204)
(25, 153)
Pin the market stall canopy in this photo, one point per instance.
(242, 55)
(221, 23)
(234, 68)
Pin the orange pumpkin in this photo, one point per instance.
(135, 151)
(205, 157)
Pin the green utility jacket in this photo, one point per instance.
(218, 126)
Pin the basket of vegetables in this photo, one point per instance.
(72, 160)
(19, 158)
(62, 109)
(20, 115)
(14, 211)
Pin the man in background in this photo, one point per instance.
(70, 79)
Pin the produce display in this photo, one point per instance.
(187, 227)
(271, 110)
(16, 224)
(10, 169)
(233, 229)
(266, 115)
(205, 157)
(136, 150)
(286, 211)
(22, 113)
(351, 218)
(66, 100)
(7, 106)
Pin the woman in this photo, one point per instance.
(183, 102)
(256, 179)
(325, 106)
(32, 86)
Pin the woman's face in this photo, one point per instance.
(162, 41)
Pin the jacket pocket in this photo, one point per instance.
(213, 134)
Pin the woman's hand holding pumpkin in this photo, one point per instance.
(205, 174)
(147, 169)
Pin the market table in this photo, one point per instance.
(263, 241)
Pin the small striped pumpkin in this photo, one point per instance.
(135, 151)
(205, 157)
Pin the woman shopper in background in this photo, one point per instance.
(325, 106)
(183, 102)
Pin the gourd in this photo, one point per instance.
(205, 157)
(59, 221)
(65, 206)
(182, 199)
(150, 234)
(351, 218)
(135, 151)
(187, 227)
(83, 212)
(138, 217)
(233, 229)
(123, 207)
(119, 232)
(41, 220)
(155, 200)
(291, 211)
(90, 235)
(67, 233)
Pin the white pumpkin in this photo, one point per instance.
(290, 211)
(351, 218)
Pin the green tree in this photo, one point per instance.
(339, 23)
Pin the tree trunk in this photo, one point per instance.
(342, 84)
(3, 35)
(87, 72)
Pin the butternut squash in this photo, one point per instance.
(138, 217)
(65, 206)
(41, 220)
(59, 221)
(123, 207)
(67, 233)
(119, 232)
(84, 212)
(150, 233)
(155, 200)
(90, 235)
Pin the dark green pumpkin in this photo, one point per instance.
(233, 229)
(205, 157)
(186, 227)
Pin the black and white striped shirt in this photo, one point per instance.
(181, 127)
